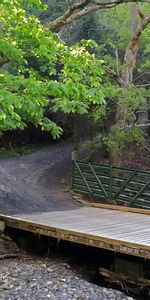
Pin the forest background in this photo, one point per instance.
(71, 65)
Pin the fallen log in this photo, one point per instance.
(121, 279)
(9, 255)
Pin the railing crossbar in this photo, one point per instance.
(80, 172)
(124, 185)
(99, 182)
(140, 192)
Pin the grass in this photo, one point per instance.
(17, 151)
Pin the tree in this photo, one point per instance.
(61, 77)
(65, 78)
(130, 97)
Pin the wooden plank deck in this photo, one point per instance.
(119, 231)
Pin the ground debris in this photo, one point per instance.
(9, 255)
(132, 284)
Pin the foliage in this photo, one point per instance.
(81, 77)
(55, 8)
(118, 140)
(130, 100)
(61, 77)
(41, 72)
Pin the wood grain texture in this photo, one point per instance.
(119, 231)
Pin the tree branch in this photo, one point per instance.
(143, 85)
(63, 20)
(84, 7)
(114, 75)
(3, 61)
(136, 36)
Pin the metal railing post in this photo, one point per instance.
(110, 183)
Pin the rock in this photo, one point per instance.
(7, 246)
(50, 270)
(2, 226)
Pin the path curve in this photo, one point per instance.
(36, 182)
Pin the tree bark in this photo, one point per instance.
(129, 65)
(130, 56)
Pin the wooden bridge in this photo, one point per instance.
(112, 229)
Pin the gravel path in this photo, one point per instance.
(48, 278)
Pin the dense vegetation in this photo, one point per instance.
(75, 58)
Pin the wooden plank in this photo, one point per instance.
(116, 207)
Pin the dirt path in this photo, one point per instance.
(36, 182)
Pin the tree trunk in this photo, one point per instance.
(126, 79)
(131, 51)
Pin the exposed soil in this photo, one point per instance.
(37, 182)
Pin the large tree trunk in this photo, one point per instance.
(126, 79)
(131, 51)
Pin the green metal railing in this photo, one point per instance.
(123, 185)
